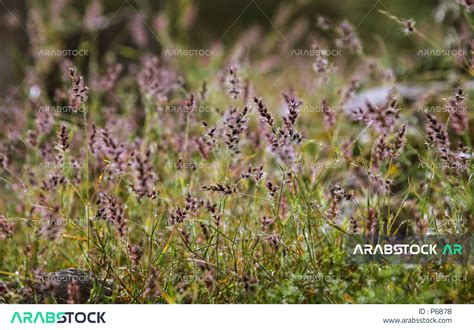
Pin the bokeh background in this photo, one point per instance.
(201, 23)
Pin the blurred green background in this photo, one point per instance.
(212, 21)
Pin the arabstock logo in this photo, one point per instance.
(410, 249)
(407, 249)
(59, 317)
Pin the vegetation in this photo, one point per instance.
(237, 171)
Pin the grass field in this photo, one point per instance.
(237, 171)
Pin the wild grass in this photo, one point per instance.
(232, 178)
